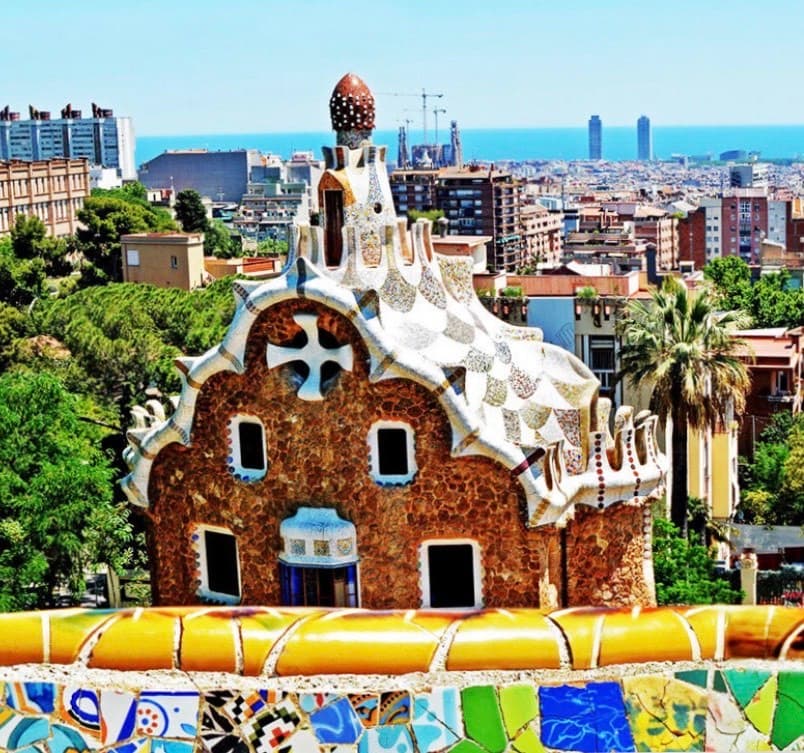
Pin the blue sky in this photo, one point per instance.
(196, 66)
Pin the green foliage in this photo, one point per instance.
(21, 280)
(190, 211)
(430, 214)
(272, 247)
(770, 301)
(684, 571)
(123, 337)
(27, 236)
(106, 216)
(14, 324)
(773, 482)
(511, 291)
(679, 346)
(587, 293)
(218, 241)
(56, 510)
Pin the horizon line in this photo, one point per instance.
(476, 128)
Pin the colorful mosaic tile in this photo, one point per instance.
(587, 718)
(388, 739)
(437, 720)
(788, 721)
(394, 708)
(337, 723)
(482, 717)
(695, 709)
(665, 714)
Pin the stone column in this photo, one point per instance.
(748, 576)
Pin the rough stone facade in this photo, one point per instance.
(314, 452)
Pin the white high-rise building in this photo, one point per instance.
(104, 140)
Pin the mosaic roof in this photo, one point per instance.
(532, 406)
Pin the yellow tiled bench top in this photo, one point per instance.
(267, 641)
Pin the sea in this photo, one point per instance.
(776, 142)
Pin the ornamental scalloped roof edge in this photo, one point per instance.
(418, 341)
(279, 642)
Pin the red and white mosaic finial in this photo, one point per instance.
(351, 110)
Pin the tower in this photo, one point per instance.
(402, 150)
(455, 143)
(644, 142)
(595, 137)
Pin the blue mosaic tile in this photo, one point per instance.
(64, 739)
(21, 731)
(31, 697)
(437, 721)
(589, 718)
(392, 738)
(337, 723)
(82, 706)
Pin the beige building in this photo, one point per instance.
(52, 190)
(168, 260)
(541, 234)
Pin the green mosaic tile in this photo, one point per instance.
(466, 746)
(481, 717)
(528, 742)
(788, 723)
(719, 683)
(745, 683)
(519, 706)
(760, 711)
(693, 677)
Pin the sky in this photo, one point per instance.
(249, 66)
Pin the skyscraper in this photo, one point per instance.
(595, 137)
(644, 142)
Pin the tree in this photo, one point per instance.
(190, 211)
(56, 486)
(684, 571)
(770, 301)
(218, 241)
(21, 280)
(104, 218)
(683, 349)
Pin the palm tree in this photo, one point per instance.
(679, 345)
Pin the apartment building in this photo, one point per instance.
(484, 201)
(413, 190)
(102, 139)
(52, 190)
(541, 234)
(733, 224)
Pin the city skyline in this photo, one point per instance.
(244, 66)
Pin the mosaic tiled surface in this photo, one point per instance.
(266, 641)
(707, 709)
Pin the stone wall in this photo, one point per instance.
(318, 456)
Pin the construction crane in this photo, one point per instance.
(424, 95)
(437, 110)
